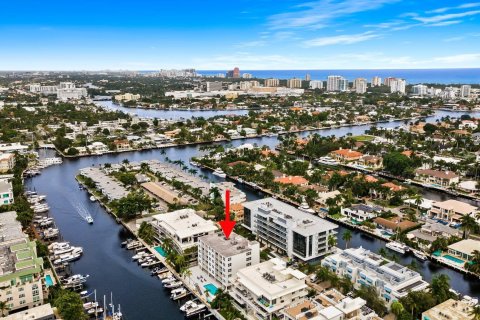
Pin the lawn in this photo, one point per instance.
(363, 138)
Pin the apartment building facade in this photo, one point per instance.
(291, 231)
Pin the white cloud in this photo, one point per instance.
(444, 23)
(341, 39)
(444, 17)
(255, 43)
(317, 14)
(459, 58)
(462, 6)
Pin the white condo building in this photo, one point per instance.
(221, 258)
(337, 83)
(294, 83)
(360, 85)
(316, 84)
(420, 90)
(392, 280)
(465, 91)
(291, 231)
(272, 82)
(376, 81)
(264, 290)
(397, 85)
(183, 227)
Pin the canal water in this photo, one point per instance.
(110, 267)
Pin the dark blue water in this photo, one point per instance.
(110, 267)
(413, 76)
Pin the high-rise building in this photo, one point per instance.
(294, 83)
(213, 86)
(388, 80)
(316, 84)
(376, 81)
(420, 90)
(236, 72)
(272, 82)
(307, 77)
(465, 91)
(221, 258)
(290, 230)
(397, 85)
(360, 85)
(337, 83)
(247, 75)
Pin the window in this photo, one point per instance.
(299, 244)
(22, 295)
(249, 258)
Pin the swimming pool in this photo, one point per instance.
(161, 251)
(451, 258)
(48, 280)
(211, 288)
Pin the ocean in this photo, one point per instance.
(413, 76)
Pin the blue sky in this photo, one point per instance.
(250, 34)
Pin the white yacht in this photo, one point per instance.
(89, 219)
(93, 199)
(305, 207)
(176, 293)
(219, 173)
(420, 255)
(397, 246)
(77, 278)
(328, 161)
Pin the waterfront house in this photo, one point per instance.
(121, 145)
(221, 258)
(263, 290)
(372, 162)
(97, 147)
(325, 195)
(361, 212)
(363, 267)
(394, 224)
(437, 177)
(295, 180)
(464, 249)
(452, 210)
(432, 230)
(346, 155)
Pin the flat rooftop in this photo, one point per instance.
(184, 223)
(271, 279)
(304, 222)
(227, 248)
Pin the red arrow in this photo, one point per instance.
(227, 224)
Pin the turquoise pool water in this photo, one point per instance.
(48, 281)
(161, 251)
(451, 258)
(211, 288)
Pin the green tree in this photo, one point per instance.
(397, 308)
(70, 306)
(347, 236)
(475, 312)
(398, 164)
(147, 232)
(3, 308)
(332, 241)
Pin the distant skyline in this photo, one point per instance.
(250, 34)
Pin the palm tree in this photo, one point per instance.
(468, 225)
(332, 241)
(397, 309)
(3, 308)
(475, 312)
(347, 236)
